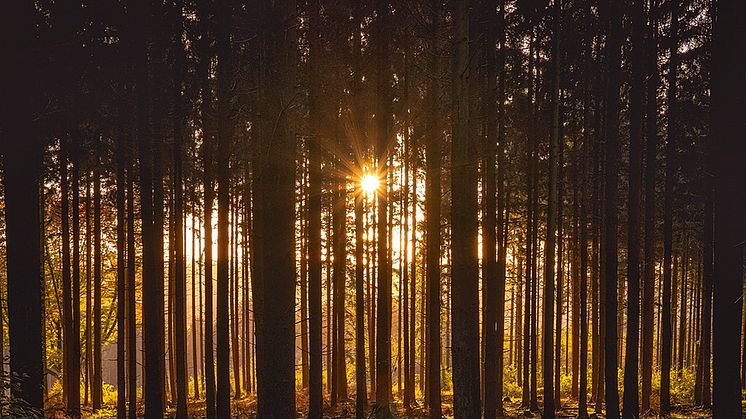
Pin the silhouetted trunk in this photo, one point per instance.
(432, 221)
(131, 290)
(121, 284)
(71, 403)
(316, 389)
(550, 246)
(648, 278)
(383, 125)
(667, 328)
(96, 389)
(631, 358)
(613, 52)
(208, 200)
(728, 154)
(489, 216)
(275, 176)
(21, 170)
(465, 282)
(179, 308)
(224, 141)
(502, 205)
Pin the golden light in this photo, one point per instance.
(369, 183)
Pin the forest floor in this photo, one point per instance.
(246, 408)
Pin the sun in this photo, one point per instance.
(369, 183)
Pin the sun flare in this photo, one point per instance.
(369, 183)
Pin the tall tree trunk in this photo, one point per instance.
(651, 144)
(67, 300)
(550, 246)
(489, 217)
(131, 290)
(502, 204)
(316, 389)
(383, 137)
(613, 53)
(465, 283)
(432, 220)
(97, 384)
(631, 407)
(152, 289)
(179, 308)
(208, 200)
(276, 174)
(21, 170)
(121, 284)
(225, 138)
(667, 329)
(728, 154)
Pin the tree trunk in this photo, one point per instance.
(432, 221)
(613, 52)
(728, 154)
(465, 282)
(550, 247)
(648, 286)
(667, 329)
(316, 389)
(631, 407)
(276, 191)
(489, 217)
(225, 134)
(383, 125)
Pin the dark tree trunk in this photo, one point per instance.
(489, 217)
(208, 201)
(383, 136)
(648, 286)
(275, 176)
(728, 154)
(121, 281)
(631, 406)
(21, 169)
(67, 301)
(667, 327)
(179, 282)
(316, 389)
(224, 140)
(432, 220)
(96, 389)
(502, 204)
(613, 52)
(131, 291)
(465, 282)
(550, 247)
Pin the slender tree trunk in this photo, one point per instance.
(502, 205)
(316, 385)
(631, 406)
(668, 313)
(179, 309)
(551, 238)
(489, 218)
(67, 298)
(131, 292)
(728, 154)
(432, 221)
(276, 179)
(97, 279)
(465, 324)
(648, 286)
(613, 52)
(121, 284)
(383, 137)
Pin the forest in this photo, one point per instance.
(372, 208)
